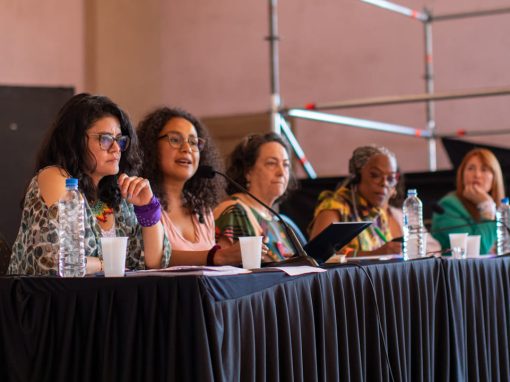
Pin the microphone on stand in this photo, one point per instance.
(438, 209)
(301, 255)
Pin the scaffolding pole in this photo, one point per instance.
(273, 39)
(310, 111)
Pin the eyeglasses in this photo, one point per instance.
(391, 178)
(177, 140)
(106, 141)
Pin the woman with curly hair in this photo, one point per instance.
(174, 144)
(92, 140)
(261, 164)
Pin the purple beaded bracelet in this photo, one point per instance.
(149, 214)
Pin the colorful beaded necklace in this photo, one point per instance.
(101, 210)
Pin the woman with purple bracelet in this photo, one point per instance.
(92, 140)
(175, 144)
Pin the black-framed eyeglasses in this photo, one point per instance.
(176, 140)
(106, 141)
(391, 178)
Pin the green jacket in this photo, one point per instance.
(455, 214)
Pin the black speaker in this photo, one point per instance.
(26, 113)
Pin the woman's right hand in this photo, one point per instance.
(231, 254)
(475, 194)
(228, 254)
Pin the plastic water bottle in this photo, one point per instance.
(413, 245)
(502, 224)
(71, 211)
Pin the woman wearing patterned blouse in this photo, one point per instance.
(174, 144)
(362, 197)
(261, 164)
(92, 140)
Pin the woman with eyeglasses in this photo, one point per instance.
(174, 144)
(363, 197)
(92, 140)
(472, 207)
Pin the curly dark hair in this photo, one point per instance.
(199, 194)
(245, 154)
(66, 145)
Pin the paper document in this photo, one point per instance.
(380, 257)
(184, 270)
(300, 270)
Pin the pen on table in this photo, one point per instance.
(380, 234)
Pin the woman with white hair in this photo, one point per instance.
(362, 197)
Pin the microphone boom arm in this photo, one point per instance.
(290, 232)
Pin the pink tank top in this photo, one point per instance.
(204, 233)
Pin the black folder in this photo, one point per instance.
(333, 238)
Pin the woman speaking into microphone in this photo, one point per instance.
(174, 145)
(472, 206)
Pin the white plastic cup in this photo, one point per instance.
(251, 251)
(473, 246)
(114, 255)
(458, 244)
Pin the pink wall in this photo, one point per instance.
(211, 58)
(42, 43)
(127, 53)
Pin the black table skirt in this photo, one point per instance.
(479, 297)
(324, 327)
(442, 321)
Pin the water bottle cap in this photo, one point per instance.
(71, 182)
(412, 192)
(505, 200)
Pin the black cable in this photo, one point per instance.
(384, 345)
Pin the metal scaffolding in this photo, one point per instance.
(311, 111)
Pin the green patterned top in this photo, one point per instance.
(352, 207)
(238, 219)
(35, 251)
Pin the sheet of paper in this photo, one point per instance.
(380, 257)
(184, 270)
(300, 270)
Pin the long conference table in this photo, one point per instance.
(442, 320)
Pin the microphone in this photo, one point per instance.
(209, 173)
(438, 209)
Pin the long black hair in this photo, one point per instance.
(66, 145)
(199, 194)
